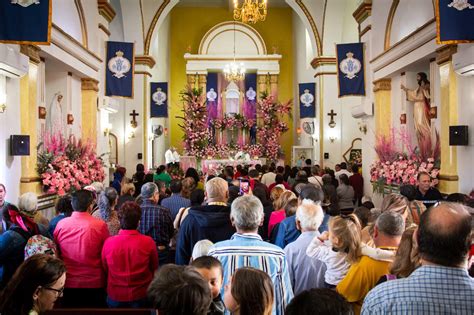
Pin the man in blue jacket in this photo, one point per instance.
(211, 221)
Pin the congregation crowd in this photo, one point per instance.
(301, 240)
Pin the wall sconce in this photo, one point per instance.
(107, 130)
(363, 127)
(131, 134)
(332, 135)
(332, 123)
(3, 107)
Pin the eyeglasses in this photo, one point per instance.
(58, 291)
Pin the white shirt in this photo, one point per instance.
(342, 171)
(336, 263)
(169, 156)
(316, 180)
(176, 156)
(268, 178)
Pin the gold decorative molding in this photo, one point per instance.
(319, 44)
(104, 29)
(82, 19)
(191, 79)
(384, 84)
(324, 19)
(152, 26)
(145, 60)
(363, 11)
(365, 30)
(89, 84)
(32, 51)
(404, 39)
(202, 78)
(35, 179)
(76, 42)
(388, 25)
(445, 53)
(143, 20)
(143, 72)
(325, 73)
(274, 79)
(449, 178)
(320, 61)
(106, 10)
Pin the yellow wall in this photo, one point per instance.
(188, 26)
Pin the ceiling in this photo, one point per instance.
(224, 3)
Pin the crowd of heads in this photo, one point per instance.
(440, 235)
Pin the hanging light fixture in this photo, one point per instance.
(251, 11)
(234, 71)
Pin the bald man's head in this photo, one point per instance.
(444, 235)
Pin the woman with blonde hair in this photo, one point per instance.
(394, 203)
(127, 193)
(278, 213)
(275, 193)
(399, 204)
(189, 185)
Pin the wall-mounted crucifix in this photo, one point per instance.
(133, 122)
(332, 123)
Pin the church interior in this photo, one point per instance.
(205, 84)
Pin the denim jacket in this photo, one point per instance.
(12, 245)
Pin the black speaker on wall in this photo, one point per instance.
(19, 145)
(458, 135)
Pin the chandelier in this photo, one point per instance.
(251, 11)
(234, 71)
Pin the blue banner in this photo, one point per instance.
(119, 71)
(159, 99)
(250, 102)
(350, 69)
(25, 21)
(307, 100)
(454, 21)
(212, 95)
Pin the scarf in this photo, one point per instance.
(25, 222)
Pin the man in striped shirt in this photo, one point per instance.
(247, 249)
(441, 285)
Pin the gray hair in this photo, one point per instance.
(390, 223)
(28, 202)
(309, 215)
(106, 199)
(148, 190)
(217, 188)
(201, 248)
(247, 213)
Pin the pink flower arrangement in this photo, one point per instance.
(198, 138)
(68, 165)
(400, 166)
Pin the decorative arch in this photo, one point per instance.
(82, 19)
(391, 18)
(388, 26)
(153, 23)
(225, 31)
(165, 5)
(317, 37)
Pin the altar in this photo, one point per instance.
(215, 166)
